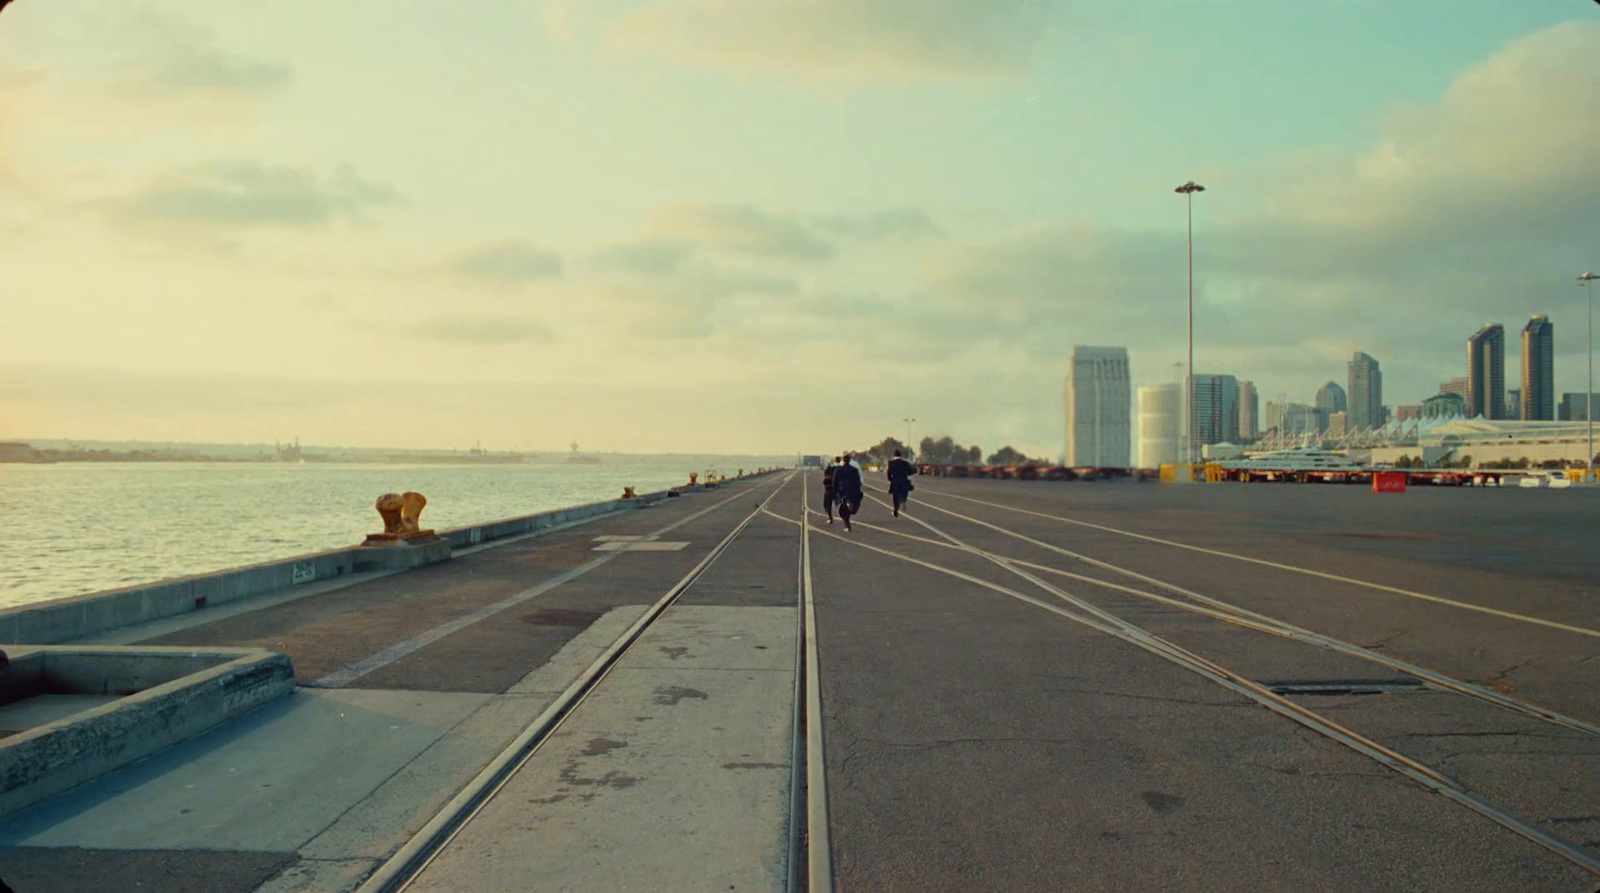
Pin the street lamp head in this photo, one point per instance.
(1190, 186)
(1586, 278)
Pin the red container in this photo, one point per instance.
(1388, 482)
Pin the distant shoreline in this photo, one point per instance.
(26, 453)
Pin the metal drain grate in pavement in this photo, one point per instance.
(1345, 686)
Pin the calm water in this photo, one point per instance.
(73, 528)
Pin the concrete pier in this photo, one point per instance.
(1023, 686)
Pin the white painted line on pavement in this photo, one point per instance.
(1468, 606)
(341, 678)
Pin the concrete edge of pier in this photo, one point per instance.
(162, 696)
(84, 616)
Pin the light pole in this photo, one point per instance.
(908, 432)
(1189, 189)
(1587, 281)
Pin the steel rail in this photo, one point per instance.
(1244, 617)
(1105, 621)
(399, 870)
(1468, 606)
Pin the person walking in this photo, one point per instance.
(847, 491)
(900, 471)
(827, 486)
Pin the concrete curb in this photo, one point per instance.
(54, 757)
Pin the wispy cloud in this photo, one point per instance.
(165, 55)
(746, 230)
(646, 257)
(841, 40)
(242, 194)
(511, 262)
(905, 224)
(480, 330)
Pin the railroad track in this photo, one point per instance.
(810, 862)
(1078, 609)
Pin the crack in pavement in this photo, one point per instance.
(1122, 694)
(1548, 736)
(1500, 676)
(950, 742)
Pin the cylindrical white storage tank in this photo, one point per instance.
(1160, 418)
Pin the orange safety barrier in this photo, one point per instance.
(1389, 482)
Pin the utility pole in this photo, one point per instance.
(1188, 190)
(1587, 281)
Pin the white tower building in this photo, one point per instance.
(1160, 424)
(1098, 404)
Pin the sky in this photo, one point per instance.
(765, 226)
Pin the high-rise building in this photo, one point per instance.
(1249, 412)
(1097, 408)
(1337, 423)
(1486, 373)
(1294, 418)
(1538, 370)
(1216, 409)
(1160, 421)
(1366, 392)
(1513, 403)
(1444, 406)
(1332, 398)
(1408, 413)
(1457, 386)
(1575, 409)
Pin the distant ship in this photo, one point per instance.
(577, 458)
(1303, 459)
(475, 456)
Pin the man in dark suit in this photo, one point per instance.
(900, 472)
(847, 490)
(827, 487)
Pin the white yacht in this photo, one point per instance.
(1301, 459)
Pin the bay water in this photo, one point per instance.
(74, 528)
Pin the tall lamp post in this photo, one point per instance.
(908, 432)
(1188, 190)
(1587, 281)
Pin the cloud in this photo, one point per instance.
(841, 40)
(243, 194)
(893, 225)
(1475, 208)
(689, 301)
(166, 55)
(742, 229)
(480, 330)
(512, 262)
(646, 257)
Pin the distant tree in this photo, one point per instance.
(945, 451)
(1403, 462)
(883, 451)
(1464, 462)
(1006, 455)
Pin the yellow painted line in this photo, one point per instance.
(1466, 606)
